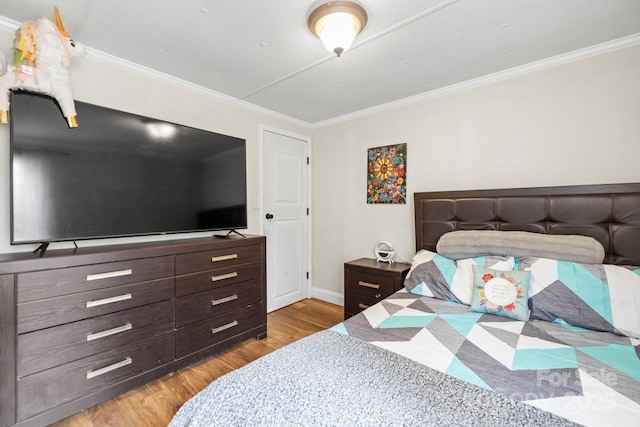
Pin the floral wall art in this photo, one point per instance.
(386, 174)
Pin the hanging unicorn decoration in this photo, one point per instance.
(42, 54)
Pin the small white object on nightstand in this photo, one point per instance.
(384, 252)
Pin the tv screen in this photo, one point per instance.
(118, 174)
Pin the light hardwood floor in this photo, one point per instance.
(155, 403)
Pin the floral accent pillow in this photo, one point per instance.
(503, 293)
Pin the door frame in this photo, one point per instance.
(261, 210)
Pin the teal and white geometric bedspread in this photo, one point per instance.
(592, 378)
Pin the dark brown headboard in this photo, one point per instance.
(609, 213)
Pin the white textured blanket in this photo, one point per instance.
(330, 379)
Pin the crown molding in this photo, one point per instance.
(184, 84)
(565, 58)
(10, 25)
(577, 55)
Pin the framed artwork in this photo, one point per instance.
(387, 174)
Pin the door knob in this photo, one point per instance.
(268, 216)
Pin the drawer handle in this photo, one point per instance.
(362, 306)
(110, 274)
(223, 300)
(368, 285)
(224, 276)
(111, 300)
(113, 331)
(223, 257)
(102, 371)
(224, 327)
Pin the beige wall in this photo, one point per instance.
(99, 83)
(577, 123)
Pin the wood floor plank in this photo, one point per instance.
(154, 404)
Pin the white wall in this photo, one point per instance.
(99, 83)
(577, 123)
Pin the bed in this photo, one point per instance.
(487, 331)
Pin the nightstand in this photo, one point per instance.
(367, 281)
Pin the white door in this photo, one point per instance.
(285, 218)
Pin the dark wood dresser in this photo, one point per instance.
(81, 326)
(367, 281)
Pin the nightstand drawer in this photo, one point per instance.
(195, 307)
(371, 283)
(51, 347)
(361, 301)
(48, 389)
(367, 282)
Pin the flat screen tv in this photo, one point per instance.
(118, 174)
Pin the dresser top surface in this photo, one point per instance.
(59, 258)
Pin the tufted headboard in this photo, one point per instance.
(610, 213)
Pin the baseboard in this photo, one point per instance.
(328, 296)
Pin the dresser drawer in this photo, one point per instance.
(199, 261)
(207, 280)
(64, 281)
(200, 306)
(48, 389)
(51, 347)
(370, 283)
(197, 336)
(49, 312)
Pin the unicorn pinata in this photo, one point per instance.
(42, 51)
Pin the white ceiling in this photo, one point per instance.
(261, 52)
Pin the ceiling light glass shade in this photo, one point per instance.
(161, 130)
(337, 24)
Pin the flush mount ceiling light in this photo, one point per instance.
(337, 23)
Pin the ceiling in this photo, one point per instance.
(261, 51)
